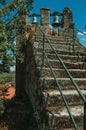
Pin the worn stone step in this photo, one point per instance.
(80, 128)
(68, 57)
(61, 73)
(72, 58)
(63, 46)
(65, 83)
(80, 50)
(39, 48)
(51, 38)
(61, 52)
(65, 129)
(57, 39)
(53, 97)
(57, 64)
(59, 118)
(60, 40)
(69, 65)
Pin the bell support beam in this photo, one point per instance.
(51, 14)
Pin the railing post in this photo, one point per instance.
(85, 115)
(43, 55)
(73, 40)
(43, 61)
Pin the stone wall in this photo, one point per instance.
(28, 79)
(20, 54)
(33, 87)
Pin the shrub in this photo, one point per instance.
(7, 77)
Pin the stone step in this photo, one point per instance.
(60, 73)
(53, 97)
(59, 40)
(51, 38)
(73, 58)
(69, 65)
(63, 46)
(55, 38)
(49, 51)
(57, 64)
(66, 129)
(65, 83)
(59, 118)
(62, 52)
(69, 129)
(56, 42)
(80, 49)
(68, 58)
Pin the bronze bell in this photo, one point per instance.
(34, 20)
(56, 21)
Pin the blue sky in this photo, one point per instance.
(78, 8)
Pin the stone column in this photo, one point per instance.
(45, 16)
(45, 21)
(67, 21)
(23, 21)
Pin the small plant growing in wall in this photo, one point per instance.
(3, 89)
(2, 107)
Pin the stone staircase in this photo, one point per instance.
(58, 117)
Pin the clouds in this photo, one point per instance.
(82, 38)
(81, 34)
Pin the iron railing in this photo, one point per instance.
(57, 83)
(72, 44)
(78, 41)
(73, 38)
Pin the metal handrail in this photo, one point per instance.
(71, 78)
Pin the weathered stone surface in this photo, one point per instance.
(45, 16)
(67, 21)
